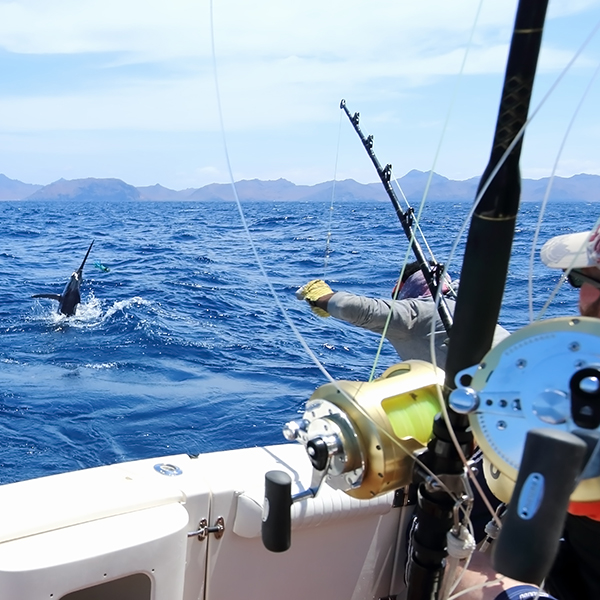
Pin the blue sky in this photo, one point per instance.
(125, 88)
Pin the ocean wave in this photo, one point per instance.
(180, 347)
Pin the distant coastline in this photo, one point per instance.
(578, 188)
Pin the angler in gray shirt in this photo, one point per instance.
(409, 330)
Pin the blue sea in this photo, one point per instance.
(180, 347)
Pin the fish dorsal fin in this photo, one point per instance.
(80, 270)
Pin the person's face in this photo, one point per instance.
(589, 296)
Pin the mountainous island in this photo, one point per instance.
(583, 188)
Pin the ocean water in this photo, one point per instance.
(180, 347)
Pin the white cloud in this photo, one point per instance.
(282, 66)
(270, 29)
(267, 30)
(75, 26)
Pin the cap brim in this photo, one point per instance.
(568, 252)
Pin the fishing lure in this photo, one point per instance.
(100, 266)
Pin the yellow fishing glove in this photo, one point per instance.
(311, 292)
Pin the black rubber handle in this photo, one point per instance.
(277, 520)
(533, 524)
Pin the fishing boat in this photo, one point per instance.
(326, 516)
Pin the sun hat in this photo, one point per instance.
(573, 251)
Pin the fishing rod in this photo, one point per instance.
(483, 276)
(432, 273)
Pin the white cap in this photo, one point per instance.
(573, 251)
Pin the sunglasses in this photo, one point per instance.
(577, 279)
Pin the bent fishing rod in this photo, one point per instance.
(483, 275)
(432, 273)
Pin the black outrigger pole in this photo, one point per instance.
(432, 274)
(482, 281)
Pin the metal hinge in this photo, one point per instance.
(203, 529)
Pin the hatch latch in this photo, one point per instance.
(203, 529)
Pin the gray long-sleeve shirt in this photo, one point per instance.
(409, 330)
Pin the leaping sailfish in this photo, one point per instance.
(70, 298)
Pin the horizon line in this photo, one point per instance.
(278, 179)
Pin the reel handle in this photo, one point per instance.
(277, 521)
(531, 529)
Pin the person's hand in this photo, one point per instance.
(481, 573)
(311, 292)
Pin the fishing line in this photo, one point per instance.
(444, 408)
(337, 154)
(441, 400)
(465, 568)
(417, 217)
(454, 247)
(416, 224)
(290, 323)
(459, 77)
(438, 295)
(241, 211)
(565, 275)
(545, 202)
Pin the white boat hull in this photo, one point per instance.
(121, 532)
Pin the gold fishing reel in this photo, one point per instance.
(360, 437)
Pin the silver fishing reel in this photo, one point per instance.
(534, 407)
(546, 375)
